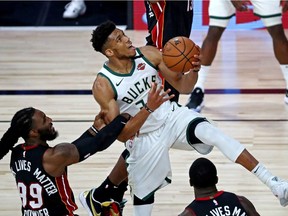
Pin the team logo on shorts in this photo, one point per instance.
(141, 66)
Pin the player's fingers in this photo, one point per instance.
(168, 98)
(165, 93)
(159, 89)
(153, 87)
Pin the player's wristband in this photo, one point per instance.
(147, 108)
(102, 140)
(94, 129)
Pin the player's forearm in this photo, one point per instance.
(102, 140)
(133, 125)
(188, 81)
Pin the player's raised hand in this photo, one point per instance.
(157, 96)
(240, 5)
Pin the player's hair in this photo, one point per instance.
(203, 173)
(101, 33)
(20, 126)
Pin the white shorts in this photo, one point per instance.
(149, 163)
(220, 12)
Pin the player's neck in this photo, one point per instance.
(121, 66)
(205, 192)
(33, 141)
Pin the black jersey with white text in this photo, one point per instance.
(40, 193)
(222, 203)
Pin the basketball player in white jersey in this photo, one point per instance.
(220, 13)
(123, 85)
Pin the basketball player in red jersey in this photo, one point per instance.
(40, 171)
(203, 177)
(166, 20)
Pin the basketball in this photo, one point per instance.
(178, 54)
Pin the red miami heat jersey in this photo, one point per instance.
(40, 193)
(168, 19)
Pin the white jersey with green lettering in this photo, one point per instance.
(131, 90)
(149, 164)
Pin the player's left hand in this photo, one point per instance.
(197, 64)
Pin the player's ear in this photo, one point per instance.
(109, 52)
(33, 133)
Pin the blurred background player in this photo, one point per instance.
(220, 12)
(74, 9)
(164, 25)
(203, 177)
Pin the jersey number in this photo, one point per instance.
(34, 191)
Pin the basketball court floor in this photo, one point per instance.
(53, 70)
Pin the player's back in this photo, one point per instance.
(41, 194)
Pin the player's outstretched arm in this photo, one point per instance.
(56, 159)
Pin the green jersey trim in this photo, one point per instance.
(145, 59)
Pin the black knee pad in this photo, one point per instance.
(148, 200)
(192, 139)
(125, 153)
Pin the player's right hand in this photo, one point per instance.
(240, 5)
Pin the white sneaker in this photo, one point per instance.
(74, 9)
(280, 189)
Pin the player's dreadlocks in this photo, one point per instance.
(20, 126)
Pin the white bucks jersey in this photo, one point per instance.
(131, 90)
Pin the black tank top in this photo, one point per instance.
(168, 19)
(40, 193)
(223, 203)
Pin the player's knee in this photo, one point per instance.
(192, 139)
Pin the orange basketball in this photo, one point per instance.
(178, 54)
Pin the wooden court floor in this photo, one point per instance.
(244, 97)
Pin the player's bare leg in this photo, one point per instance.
(208, 53)
(236, 152)
(280, 46)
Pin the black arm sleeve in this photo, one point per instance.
(88, 145)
